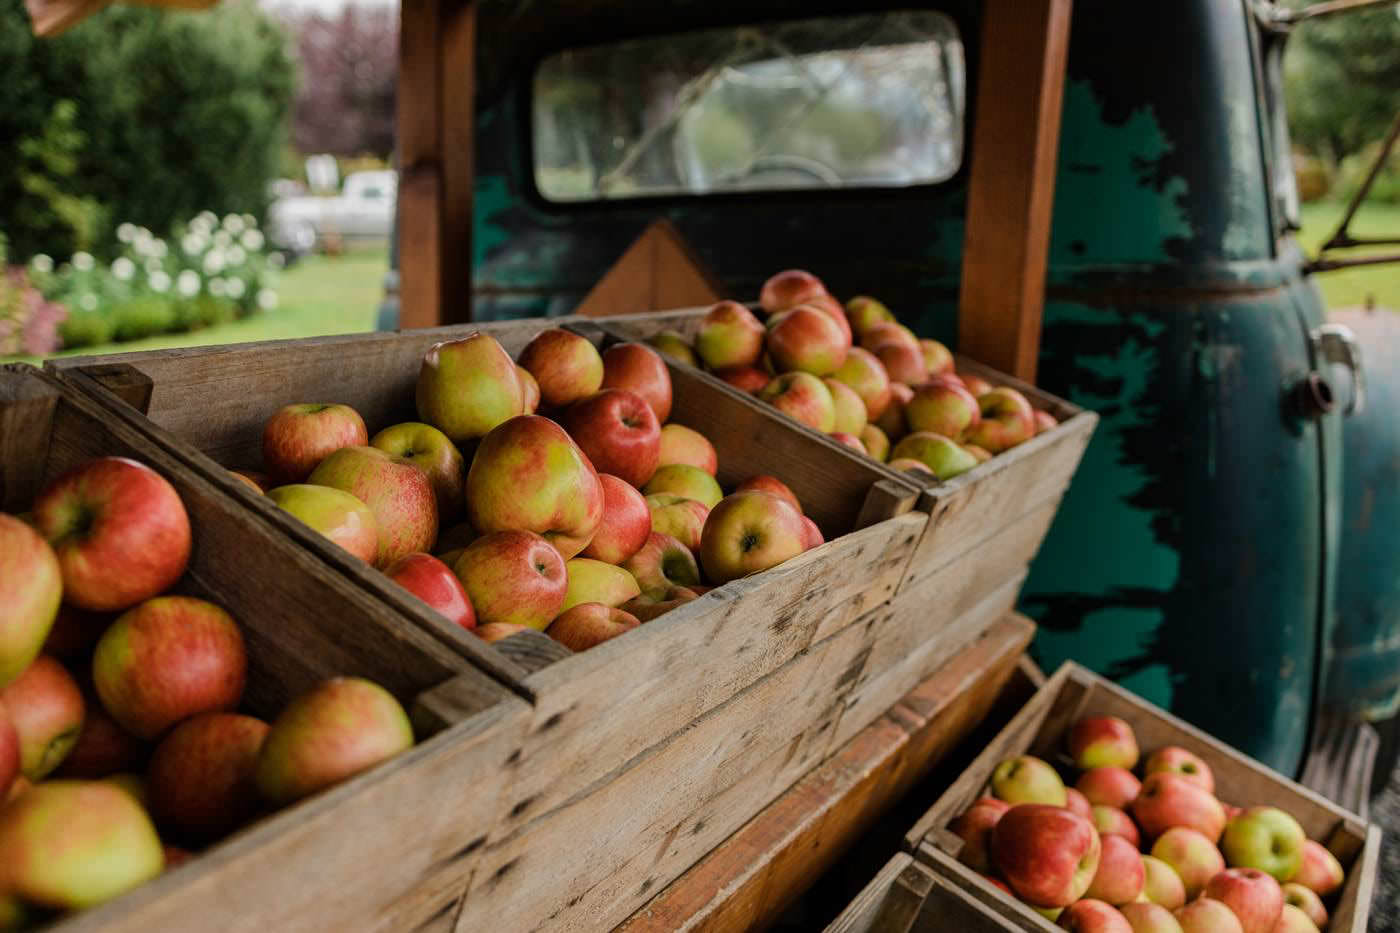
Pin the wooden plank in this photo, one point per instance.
(422, 185)
(659, 270)
(26, 422)
(457, 159)
(885, 903)
(751, 878)
(1011, 184)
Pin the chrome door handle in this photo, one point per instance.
(1336, 343)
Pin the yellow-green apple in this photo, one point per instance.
(937, 357)
(338, 729)
(1027, 779)
(1113, 821)
(812, 534)
(627, 520)
(1306, 900)
(980, 454)
(335, 513)
(1147, 917)
(30, 589)
(529, 391)
(1168, 799)
(515, 577)
(1109, 786)
(398, 493)
(1162, 885)
(1191, 855)
(682, 479)
(618, 431)
(297, 437)
(1255, 898)
(940, 454)
(468, 386)
(865, 312)
(892, 420)
(1046, 853)
(866, 376)
(974, 828)
(638, 368)
(103, 747)
(581, 627)
(74, 632)
(803, 397)
(200, 780)
(662, 563)
(942, 408)
(909, 464)
(592, 581)
(1092, 915)
(680, 444)
(529, 475)
(788, 288)
(431, 451)
(74, 844)
(493, 632)
(679, 517)
(888, 332)
(257, 482)
(1044, 421)
(1007, 420)
(1320, 870)
(1049, 913)
(645, 608)
(832, 309)
(133, 784)
(166, 660)
(808, 340)
(1293, 920)
(434, 582)
(876, 443)
(1102, 741)
(119, 531)
(903, 362)
(848, 406)
(748, 532)
(729, 335)
(567, 367)
(770, 484)
(975, 384)
(1121, 875)
(673, 344)
(1178, 760)
(1207, 915)
(748, 379)
(46, 710)
(848, 440)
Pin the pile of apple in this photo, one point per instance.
(855, 373)
(1115, 854)
(120, 752)
(583, 524)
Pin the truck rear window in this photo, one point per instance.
(858, 101)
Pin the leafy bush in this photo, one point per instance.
(86, 329)
(1354, 169)
(28, 323)
(141, 317)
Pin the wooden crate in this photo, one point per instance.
(1039, 729)
(382, 851)
(667, 710)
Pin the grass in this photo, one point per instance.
(1349, 287)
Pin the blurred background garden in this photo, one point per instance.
(177, 178)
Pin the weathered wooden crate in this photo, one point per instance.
(632, 739)
(1039, 729)
(383, 851)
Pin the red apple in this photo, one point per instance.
(1147, 917)
(909, 464)
(889, 332)
(974, 828)
(672, 344)
(1102, 741)
(866, 376)
(342, 727)
(645, 608)
(937, 357)
(1046, 853)
(1293, 920)
(627, 520)
(748, 532)
(434, 583)
(567, 367)
(45, 708)
(1077, 803)
(662, 563)
(335, 513)
(31, 586)
(748, 379)
(258, 482)
(805, 339)
(431, 451)
(1179, 761)
(772, 485)
(529, 475)
(398, 493)
(682, 479)
(1168, 800)
(103, 747)
(468, 386)
(903, 362)
(813, 537)
(942, 408)
(680, 444)
(1320, 870)
(1205, 915)
(1044, 421)
(1007, 420)
(1109, 786)
(1255, 898)
(1306, 900)
(1094, 916)
(589, 624)
(849, 408)
(832, 308)
(876, 443)
(166, 660)
(1121, 874)
(200, 780)
(493, 632)
(679, 517)
(639, 369)
(892, 420)
(1111, 820)
(298, 437)
(865, 312)
(975, 384)
(515, 577)
(1163, 885)
(9, 754)
(729, 335)
(1191, 855)
(848, 440)
(119, 530)
(788, 288)
(529, 391)
(619, 432)
(804, 398)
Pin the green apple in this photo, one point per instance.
(748, 532)
(875, 441)
(673, 344)
(1265, 838)
(850, 408)
(30, 589)
(592, 581)
(335, 513)
(679, 517)
(467, 387)
(944, 457)
(1027, 779)
(682, 479)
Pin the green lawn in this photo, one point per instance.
(1347, 287)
